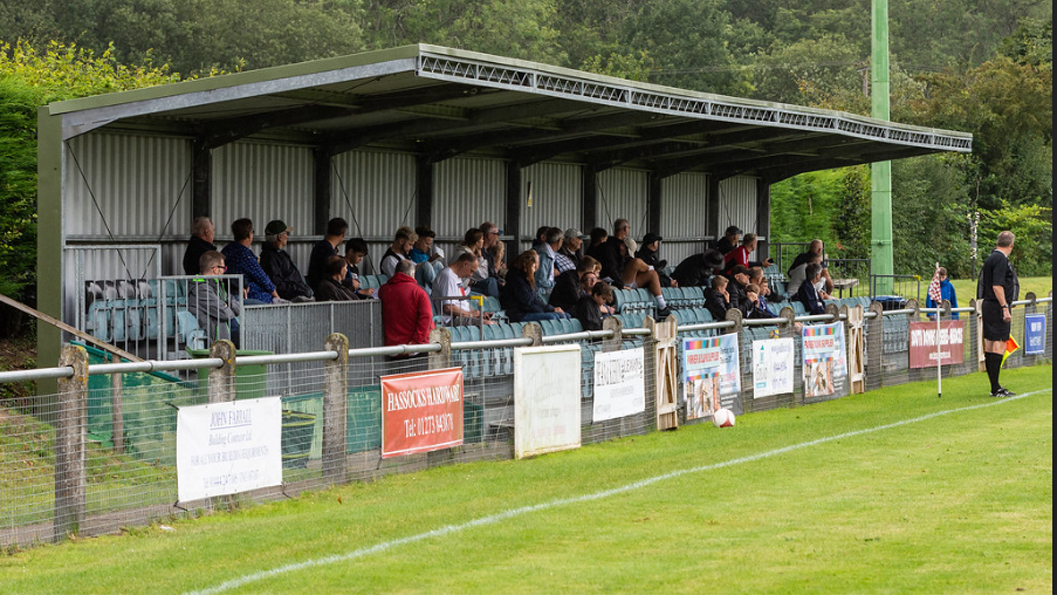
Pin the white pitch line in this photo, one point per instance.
(502, 516)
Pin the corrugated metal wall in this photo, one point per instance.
(622, 194)
(737, 203)
(556, 189)
(137, 182)
(263, 182)
(466, 193)
(684, 216)
(375, 192)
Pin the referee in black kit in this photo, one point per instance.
(999, 288)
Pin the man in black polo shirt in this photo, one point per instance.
(998, 288)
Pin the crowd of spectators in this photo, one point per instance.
(565, 274)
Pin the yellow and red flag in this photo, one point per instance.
(1011, 346)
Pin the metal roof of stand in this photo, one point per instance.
(442, 102)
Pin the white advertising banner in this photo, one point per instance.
(226, 448)
(546, 399)
(772, 367)
(620, 388)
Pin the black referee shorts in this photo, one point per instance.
(995, 329)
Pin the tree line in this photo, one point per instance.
(978, 66)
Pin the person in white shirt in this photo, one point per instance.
(449, 284)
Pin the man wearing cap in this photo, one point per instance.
(323, 250)
(696, 270)
(568, 255)
(278, 265)
(729, 241)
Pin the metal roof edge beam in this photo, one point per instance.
(219, 133)
(80, 122)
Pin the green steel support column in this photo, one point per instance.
(881, 172)
(49, 249)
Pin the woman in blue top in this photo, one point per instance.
(519, 298)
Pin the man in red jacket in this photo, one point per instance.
(407, 316)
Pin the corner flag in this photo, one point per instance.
(1011, 346)
(934, 291)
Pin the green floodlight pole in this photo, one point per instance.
(881, 254)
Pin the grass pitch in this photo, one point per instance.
(894, 491)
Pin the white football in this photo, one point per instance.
(723, 418)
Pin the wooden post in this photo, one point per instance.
(874, 351)
(854, 330)
(611, 323)
(534, 331)
(71, 436)
(663, 342)
(335, 409)
(222, 379)
(439, 360)
(739, 407)
(117, 413)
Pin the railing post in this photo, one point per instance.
(534, 331)
(335, 409)
(739, 407)
(789, 323)
(71, 436)
(117, 414)
(613, 343)
(875, 328)
(439, 360)
(222, 379)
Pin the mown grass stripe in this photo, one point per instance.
(495, 518)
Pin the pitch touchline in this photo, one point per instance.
(495, 518)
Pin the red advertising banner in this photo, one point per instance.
(421, 412)
(923, 343)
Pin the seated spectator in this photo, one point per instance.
(637, 273)
(540, 233)
(756, 276)
(717, 300)
(407, 314)
(610, 253)
(651, 243)
(807, 294)
(324, 249)
(331, 288)
(570, 286)
(258, 288)
(355, 252)
(210, 303)
(597, 237)
(492, 266)
(729, 241)
(478, 282)
(756, 309)
(519, 297)
(404, 239)
(591, 309)
(739, 281)
(568, 255)
(696, 270)
(798, 274)
(816, 247)
(448, 284)
(548, 251)
(278, 265)
(946, 293)
(202, 234)
(422, 250)
(740, 255)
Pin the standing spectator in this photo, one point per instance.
(448, 284)
(404, 239)
(696, 270)
(491, 265)
(473, 243)
(729, 241)
(331, 288)
(324, 249)
(569, 254)
(998, 287)
(407, 315)
(202, 234)
(209, 301)
(592, 308)
(278, 265)
(519, 297)
(355, 252)
(548, 251)
(807, 294)
(242, 261)
(946, 293)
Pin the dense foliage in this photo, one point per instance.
(979, 67)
